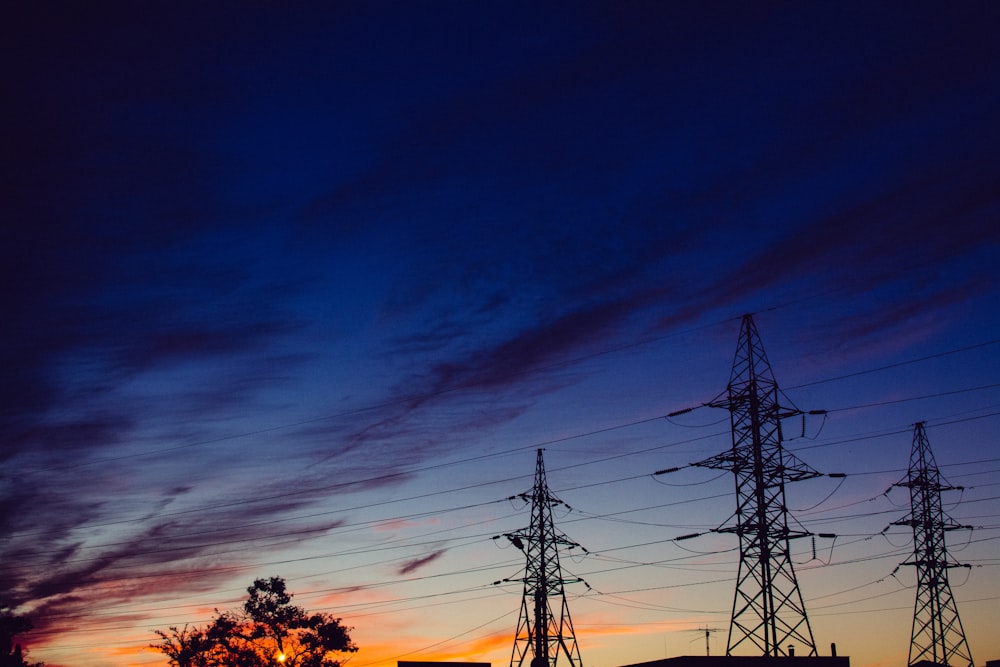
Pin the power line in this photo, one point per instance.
(897, 365)
(395, 402)
(897, 431)
(389, 476)
(588, 516)
(377, 406)
(864, 559)
(914, 398)
(884, 609)
(444, 641)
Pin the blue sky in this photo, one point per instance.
(298, 291)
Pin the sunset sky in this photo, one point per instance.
(298, 290)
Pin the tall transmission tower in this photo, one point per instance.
(541, 632)
(768, 612)
(937, 634)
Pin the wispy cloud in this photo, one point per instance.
(412, 566)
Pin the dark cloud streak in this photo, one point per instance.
(412, 566)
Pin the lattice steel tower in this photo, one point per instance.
(937, 631)
(768, 612)
(539, 631)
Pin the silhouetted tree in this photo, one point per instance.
(185, 648)
(268, 630)
(11, 654)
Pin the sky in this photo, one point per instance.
(299, 289)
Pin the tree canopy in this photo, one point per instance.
(11, 654)
(268, 630)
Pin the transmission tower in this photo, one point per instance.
(937, 631)
(539, 631)
(768, 612)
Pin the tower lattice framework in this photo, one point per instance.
(541, 632)
(937, 634)
(769, 615)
